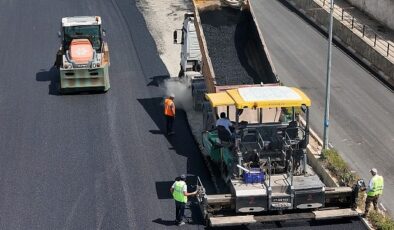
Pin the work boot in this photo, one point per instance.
(181, 223)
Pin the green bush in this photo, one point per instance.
(338, 167)
(380, 221)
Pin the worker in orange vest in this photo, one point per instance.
(169, 113)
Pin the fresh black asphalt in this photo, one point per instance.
(87, 161)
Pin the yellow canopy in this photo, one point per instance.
(219, 99)
(260, 97)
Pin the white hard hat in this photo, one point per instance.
(172, 95)
(374, 170)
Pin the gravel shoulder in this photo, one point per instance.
(162, 17)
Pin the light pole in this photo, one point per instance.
(328, 80)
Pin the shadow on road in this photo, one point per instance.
(163, 189)
(158, 80)
(164, 222)
(182, 143)
(51, 75)
(156, 132)
(193, 216)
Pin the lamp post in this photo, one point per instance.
(328, 80)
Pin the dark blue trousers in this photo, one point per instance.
(180, 211)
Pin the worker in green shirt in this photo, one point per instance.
(374, 190)
(180, 194)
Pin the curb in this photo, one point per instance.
(367, 223)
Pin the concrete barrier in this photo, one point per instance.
(315, 162)
(382, 10)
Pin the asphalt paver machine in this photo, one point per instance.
(264, 163)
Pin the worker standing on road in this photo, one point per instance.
(374, 190)
(169, 113)
(180, 194)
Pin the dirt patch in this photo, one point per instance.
(162, 18)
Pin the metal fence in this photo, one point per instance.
(365, 31)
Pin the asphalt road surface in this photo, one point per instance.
(362, 108)
(90, 161)
(95, 161)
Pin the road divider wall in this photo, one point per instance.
(352, 40)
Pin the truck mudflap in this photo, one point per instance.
(223, 221)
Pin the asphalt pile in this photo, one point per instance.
(228, 70)
(219, 31)
(233, 47)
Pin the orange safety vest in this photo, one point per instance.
(168, 105)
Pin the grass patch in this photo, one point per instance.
(338, 167)
(341, 170)
(380, 221)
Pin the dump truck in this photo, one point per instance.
(263, 162)
(83, 58)
(221, 47)
(190, 64)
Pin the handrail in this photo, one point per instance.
(259, 137)
(365, 31)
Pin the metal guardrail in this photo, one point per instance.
(365, 31)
